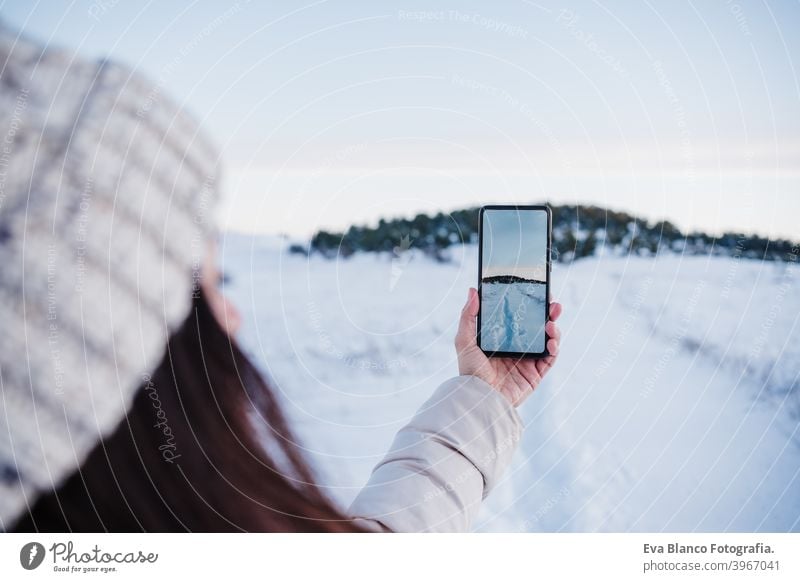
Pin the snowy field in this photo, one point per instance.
(674, 405)
(513, 316)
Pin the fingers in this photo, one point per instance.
(555, 310)
(467, 326)
(471, 306)
(554, 339)
(552, 331)
(544, 364)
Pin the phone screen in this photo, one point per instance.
(514, 273)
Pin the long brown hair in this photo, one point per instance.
(190, 454)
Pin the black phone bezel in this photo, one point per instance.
(549, 214)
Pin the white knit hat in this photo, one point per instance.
(105, 190)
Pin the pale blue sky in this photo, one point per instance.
(515, 243)
(336, 112)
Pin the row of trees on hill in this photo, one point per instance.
(578, 231)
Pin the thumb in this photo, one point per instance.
(467, 327)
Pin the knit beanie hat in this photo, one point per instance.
(105, 190)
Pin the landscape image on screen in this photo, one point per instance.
(513, 281)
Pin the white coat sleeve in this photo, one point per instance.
(443, 463)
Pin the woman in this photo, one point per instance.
(127, 405)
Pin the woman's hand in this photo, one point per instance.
(514, 378)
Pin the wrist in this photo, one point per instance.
(486, 375)
(492, 383)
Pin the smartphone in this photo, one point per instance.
(514, 280)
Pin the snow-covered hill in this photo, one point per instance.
(674, 405)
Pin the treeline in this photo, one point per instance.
(509, 279)
(578, 231)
